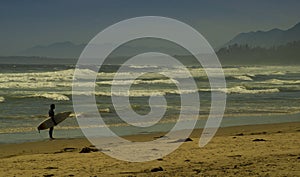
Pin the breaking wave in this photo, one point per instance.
(135, 82)
(52, 96)
(145, 93)
(243, 90)
(243, 78)
(281, 82)
(142, 66)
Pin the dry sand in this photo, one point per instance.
(231, 153)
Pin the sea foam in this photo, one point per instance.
(243, 90)
(280, 82)
(52, 96)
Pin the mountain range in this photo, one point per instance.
(56, 50)
(267, 39)
(273, 46)
(70, 50)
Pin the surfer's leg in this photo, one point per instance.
(51, 132)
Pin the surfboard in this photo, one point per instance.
(48, 123)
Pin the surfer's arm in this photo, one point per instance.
(52, 117)
(51, 114)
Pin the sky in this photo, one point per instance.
(27, 23)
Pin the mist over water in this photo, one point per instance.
(26, 91)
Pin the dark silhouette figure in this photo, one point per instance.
(51, 114)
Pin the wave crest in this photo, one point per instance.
(52, 96)
(280, 82)
(243, 78)
(136, 82)
(244, 90)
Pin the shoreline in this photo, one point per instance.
(196, 133)
(233, 151)
(75, 133)
(220, 132)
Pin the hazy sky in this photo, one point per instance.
(41, 22)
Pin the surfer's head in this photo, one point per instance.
(52, 106)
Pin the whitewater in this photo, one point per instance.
(27, 91)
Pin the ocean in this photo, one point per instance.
(255, 95)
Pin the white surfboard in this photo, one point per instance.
(48, 123)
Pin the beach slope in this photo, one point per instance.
(254, 150)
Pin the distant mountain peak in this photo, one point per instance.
(276, 30)
(267, 39)
(297, 25)
(65, 49)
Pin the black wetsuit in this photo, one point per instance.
(51, 114)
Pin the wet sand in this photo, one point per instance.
(253, 150)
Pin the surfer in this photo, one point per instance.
(51, 114)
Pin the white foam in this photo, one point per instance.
(104, 110)
(61, 82)
(263, 70)
(243, 90)
(2, 99)
(36, 80)
(244, 78)
(142, 66)
(135, 82)
(137, 93)
(116, 82)
(280, 82)
(52, 96)
(141, 93)
(34, 85)
(159, 81)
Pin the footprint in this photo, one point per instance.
(51, 168)
(157, 169)
(48, 175)
(259, 140)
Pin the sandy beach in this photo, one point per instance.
(253, 150)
